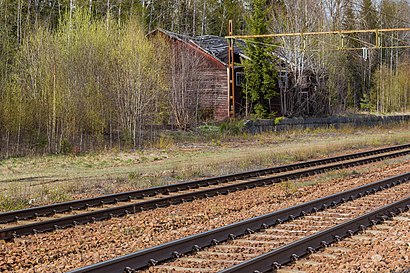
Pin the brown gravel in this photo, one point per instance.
(76, 247)
(382, 248)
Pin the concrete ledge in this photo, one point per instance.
(256, 126)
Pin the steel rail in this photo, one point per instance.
(98, 215)
(34, 212)
(174, 249)
(102, 214)
(293, 251)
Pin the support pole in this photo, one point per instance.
(231, 71)
(377, 39)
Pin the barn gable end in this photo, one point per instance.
(208, 84)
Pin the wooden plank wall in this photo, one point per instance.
(214, 92)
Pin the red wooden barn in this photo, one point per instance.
(202, 69)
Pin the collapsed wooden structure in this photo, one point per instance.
(201, 72)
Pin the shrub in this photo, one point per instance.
(232, 127)
(278, 120)
(66, 147)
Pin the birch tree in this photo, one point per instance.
(295, 16)
(138, 85)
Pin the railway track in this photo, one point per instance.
(47, 218)
(363, 252)
(267, 242)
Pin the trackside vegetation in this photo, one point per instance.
(80, 75)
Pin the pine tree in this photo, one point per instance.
(225, 11)
(369, 15)
(349, 18)
(369, 20)
(351, 62)
(260, 74)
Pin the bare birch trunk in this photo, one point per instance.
(203, 25)
(194, 19)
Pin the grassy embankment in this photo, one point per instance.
(46, 179)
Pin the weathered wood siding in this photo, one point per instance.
(201, 75)
(213, 91)
(210, 82)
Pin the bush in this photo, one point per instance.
(164, 142)
(278, 120)
(232, 127)
(66, 147)
(208, 129)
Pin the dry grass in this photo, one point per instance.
(40, 180)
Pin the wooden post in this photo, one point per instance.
(231, 71)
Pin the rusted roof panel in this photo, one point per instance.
(218, 46)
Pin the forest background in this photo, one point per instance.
(79, 75)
